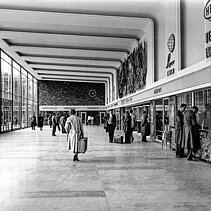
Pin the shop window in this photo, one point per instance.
(203, 102)
(159, 118)
(185, 98)
(172, 107)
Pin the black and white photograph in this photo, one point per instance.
(105, 105)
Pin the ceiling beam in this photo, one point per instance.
(88, 58)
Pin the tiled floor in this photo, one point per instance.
(37, 174)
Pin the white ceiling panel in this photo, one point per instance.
(83, 38)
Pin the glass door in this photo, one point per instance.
(102, 115)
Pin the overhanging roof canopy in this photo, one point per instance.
(78, 39)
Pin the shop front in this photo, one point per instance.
(162, 100)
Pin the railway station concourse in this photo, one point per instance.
(99, 56)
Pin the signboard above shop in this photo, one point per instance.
(207, 17)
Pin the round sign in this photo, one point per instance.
(92, 93)
(171, 43)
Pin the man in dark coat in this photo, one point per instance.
(179, 130)
(127, 127)
(63, 120)
(40, 121)
(144, 126)
(133, 124)
(33, 122)
(191, 140)
(111, 126)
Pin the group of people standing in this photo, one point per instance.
(187, 132)
(129, 126)
(34, 122)
(55, 121)
(129, 121)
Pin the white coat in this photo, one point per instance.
(75, 131)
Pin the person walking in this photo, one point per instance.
(33, 122)
(105, 119)
(127, 127)
(54, 124)
(75, 131)
(144, 127)
(50, 120)
(57, 117)
(63, 120)
(133, 124)
(89, 119)
(179, 125)
(40, 121)
(111, 126)
(191, 140)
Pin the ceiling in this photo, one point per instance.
(79, 40)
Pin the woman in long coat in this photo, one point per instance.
(144, 126)
(75, 131)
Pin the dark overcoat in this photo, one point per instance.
(191, 138)
(179, 125)
(144, 126)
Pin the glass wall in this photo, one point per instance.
(6, 93)
(18, 95)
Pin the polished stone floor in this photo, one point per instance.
(37, 174)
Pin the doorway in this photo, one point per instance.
(83, 117)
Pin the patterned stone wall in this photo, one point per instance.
(62, 93)
(205, 152)
(132, 72)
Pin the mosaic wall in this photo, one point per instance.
(205, 152)
(62, 93)
(132, 72)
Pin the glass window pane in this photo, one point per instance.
(30, 86)
(6, 115)
(6, 58)
(16, 114)
(24, 113)
(35, 92)
(16, 82)
(6, 75)
(24, 85)
(184, 98)
(16, 66)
